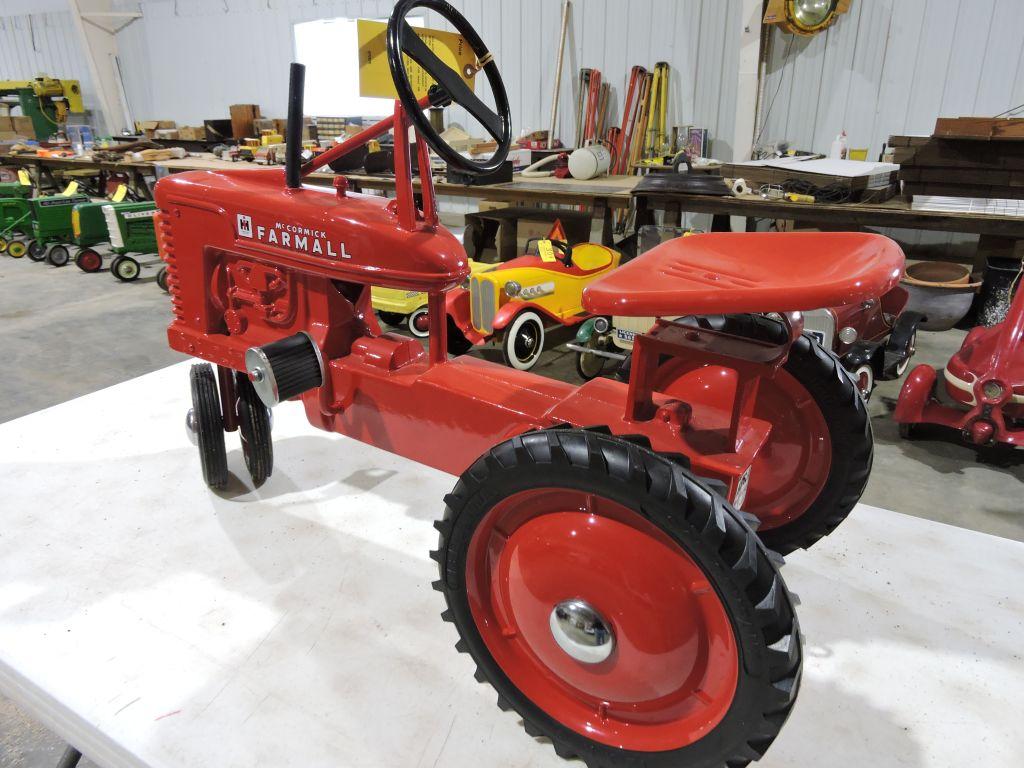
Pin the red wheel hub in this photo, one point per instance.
(673, 670)
(791, 469)
(421, 322)
(90, 261)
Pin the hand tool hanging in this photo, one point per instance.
(583, 88)
(629, 111)
(558, 74)
(640, 127)
(593, 98)
(655, 143)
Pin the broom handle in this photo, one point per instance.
(558, 74)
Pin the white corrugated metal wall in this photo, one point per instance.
(43, 43)
(892, 67)
(188, 60)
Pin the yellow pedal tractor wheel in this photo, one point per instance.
(16, 249)
(3, 244)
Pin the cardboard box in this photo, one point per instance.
(242, 118)
(23, 126)
(192, 133)
(217, 130)
(148, 128)
(165, 133)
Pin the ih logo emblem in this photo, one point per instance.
(244, 225)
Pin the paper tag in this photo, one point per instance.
(119, 193)
(546, 250)
(375, 73)
(23, 178)
(71, 189)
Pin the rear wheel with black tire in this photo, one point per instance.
(523, 341)
(125, 269)
(161, 279)
(394, 319)
(89, 260)
(864, 376)
(588, 364)
(16, 249)
(418, 324)
(36, 250)
(815, 465)
(254, 428)
(207, 423)
(58, 255)
(617, 604)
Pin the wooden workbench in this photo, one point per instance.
(1000, 234)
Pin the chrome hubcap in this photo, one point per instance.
(581, 631)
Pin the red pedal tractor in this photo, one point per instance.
(591, 555)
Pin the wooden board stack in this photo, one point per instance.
(965, 157)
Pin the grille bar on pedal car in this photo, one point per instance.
(482, 304)
(113, 226)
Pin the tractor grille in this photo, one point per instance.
(482, 304)
(165, 245)
(113, 226)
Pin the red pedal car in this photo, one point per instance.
(592, 554)
(983, 386)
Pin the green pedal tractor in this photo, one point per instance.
(89, 229)
(15, 225)
(51, 227)
(131, 231)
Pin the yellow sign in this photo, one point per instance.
(119, 193)
(375, 75)
(23, 178)
(546, 250)
(70, 189)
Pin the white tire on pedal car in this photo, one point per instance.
(523, 341)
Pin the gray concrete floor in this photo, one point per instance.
(64, 333)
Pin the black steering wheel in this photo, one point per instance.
(556, 245)
(402, 39)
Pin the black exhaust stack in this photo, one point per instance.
(293, 146)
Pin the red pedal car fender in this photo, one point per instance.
(456, 305)
(914, 395)
(508, 312)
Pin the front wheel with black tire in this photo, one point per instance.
(58, 256)
(16, 249)
(36, 250)
(418, 324)
(590, 365)
(254, 428)
(207, 423)
(89, 260)
(523, 341)
(457, 342)
(125, 268)
(815, 464)
(161, 279)
(394, 319)
(620, 606)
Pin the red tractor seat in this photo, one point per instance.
(722, 272)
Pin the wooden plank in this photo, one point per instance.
(964, 190)
(980, 127)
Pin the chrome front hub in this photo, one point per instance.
(581, 631)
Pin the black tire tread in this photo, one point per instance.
(719, 525)
(254, 427)
(836, 393)
(209, 425)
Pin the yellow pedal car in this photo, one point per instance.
(514, 302)
(408, 309)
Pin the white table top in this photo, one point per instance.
(152, 623)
